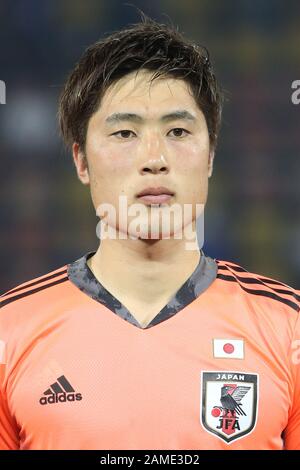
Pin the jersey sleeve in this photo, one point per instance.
(292, 431)
(8, 429)
(8, 439)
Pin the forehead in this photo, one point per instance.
(136, 90)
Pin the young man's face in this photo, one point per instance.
(126, 156)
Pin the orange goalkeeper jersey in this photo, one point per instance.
(217, 368)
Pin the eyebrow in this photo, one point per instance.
(178, 114)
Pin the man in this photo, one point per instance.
(147, 343)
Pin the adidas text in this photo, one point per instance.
(60, 397)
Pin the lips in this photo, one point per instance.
(155, 195)
(155, 192)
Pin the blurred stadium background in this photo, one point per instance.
(252, 217)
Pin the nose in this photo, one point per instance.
(155, 165)
(153, 156)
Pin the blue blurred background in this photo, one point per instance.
(252, 216)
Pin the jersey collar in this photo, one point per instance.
(202, 277)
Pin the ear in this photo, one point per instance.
(81, 164)
(211, 162)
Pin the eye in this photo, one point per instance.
(124, 132)
(179, 131)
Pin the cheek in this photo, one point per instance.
(108, 160)
(108, 170)
(192, 161)
(192, 169)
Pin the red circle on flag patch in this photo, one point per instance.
(215, 412)
(228, 348)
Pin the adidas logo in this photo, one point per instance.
(60, 391)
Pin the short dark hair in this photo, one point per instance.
(149, 45)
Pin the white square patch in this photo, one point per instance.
(228, 348)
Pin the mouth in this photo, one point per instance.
(155, 195)
(159, 199)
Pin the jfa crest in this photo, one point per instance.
(229, 404)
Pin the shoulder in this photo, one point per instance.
(258, 286)
(35, 292)
(33, 310)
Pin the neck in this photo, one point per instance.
(144, 270)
